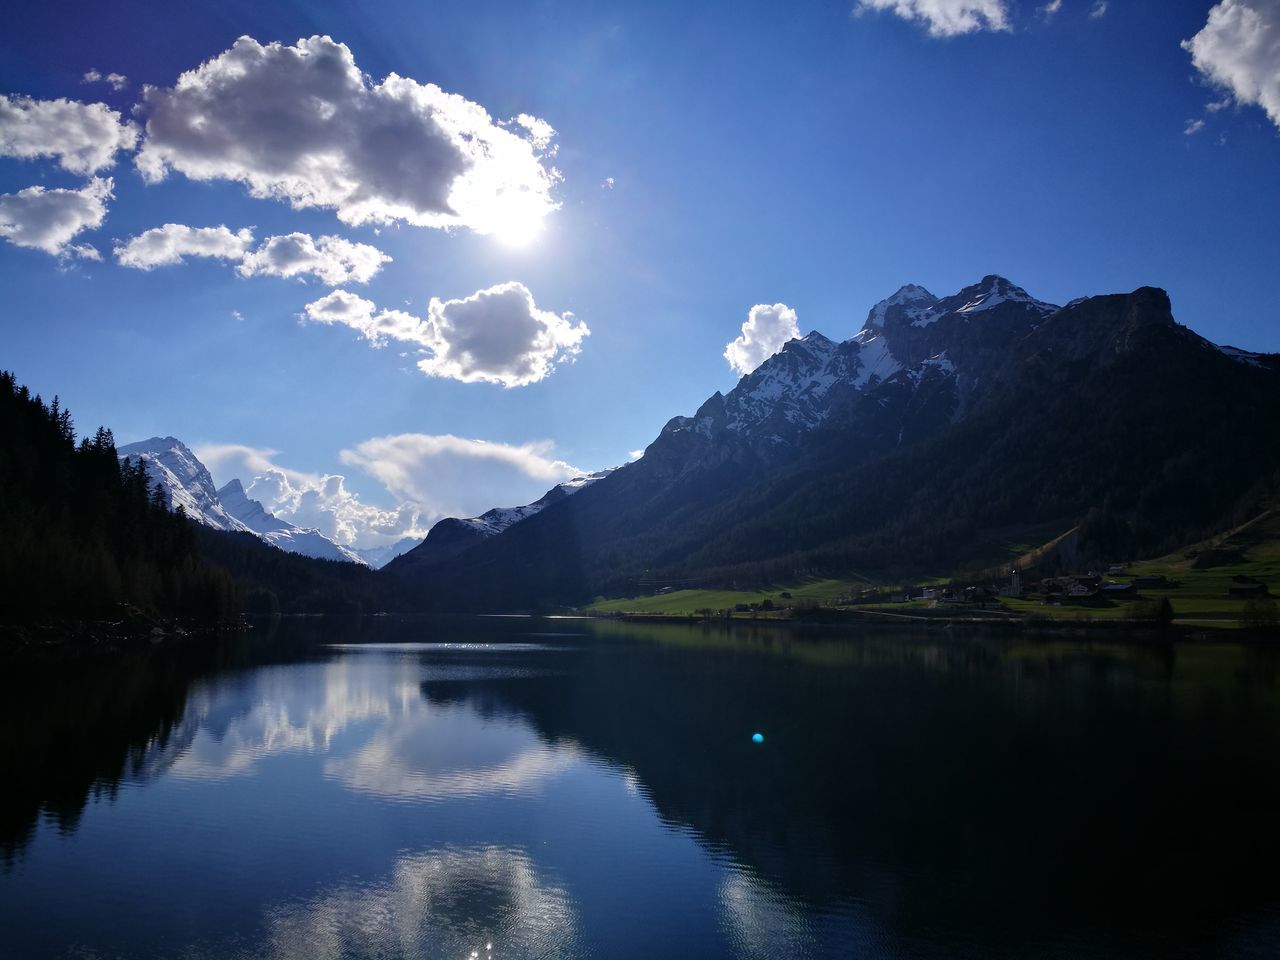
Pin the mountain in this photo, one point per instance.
(451, 536)
(943, 433)
(183, 478)
(187, 483)
(280, 533)
(379, 557)
(84, 536)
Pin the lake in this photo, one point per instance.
(519, 788)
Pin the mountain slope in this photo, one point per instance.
(184, 479)
(187, 483)
(280, 533)
(996, 414)
(451, 536)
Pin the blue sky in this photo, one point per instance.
(708, 158)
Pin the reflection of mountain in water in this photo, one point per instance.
(76, 729)
(988, 790)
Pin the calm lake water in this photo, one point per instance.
(544, 788)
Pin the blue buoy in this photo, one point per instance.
(757, 738)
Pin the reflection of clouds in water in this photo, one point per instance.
(448, 752)
(762, 921)
(286, 710)
(443, 904)
(412, 750)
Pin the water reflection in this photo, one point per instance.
(597, 793)
(485, 902)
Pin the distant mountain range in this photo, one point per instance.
(186, 482)
(947, 432)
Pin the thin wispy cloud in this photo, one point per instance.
(945, 18)
(448, 475)
(117, 81)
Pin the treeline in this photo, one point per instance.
(272, 581)
(81, 532)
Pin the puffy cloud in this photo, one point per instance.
(84, 137)
(946, 18)
(376, 326)
(172, 243)
(460, 477)
(766, 329)
(331, 259)
(1193, 127)
(497, 335)
(48, 219)
(1239, 50)
(302, 123)
(118, 81)
(427, 476)
(314, 500)
(1050, 8)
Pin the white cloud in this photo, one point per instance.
(1050, 8)
(172, 243)
(314, 500)
(497, 335)
(1099, 9)
(460, 477)
(1193, 127)
(84, 137)
(330, 259)
(376, 326)
(427, 476)
(946, 18)
(1239, 50)
(118, 81)
(48, 219)
(766, 329)
(303, 124)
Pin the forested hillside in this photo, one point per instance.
(81, 533)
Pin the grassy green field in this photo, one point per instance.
(1203, 572)
(685, 602)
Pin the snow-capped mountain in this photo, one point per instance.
(187, 483)
(184, 479)
(287, 536)
(451, 536)
(911, 343)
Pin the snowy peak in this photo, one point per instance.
(911, 304)
(184, 479)
(991, 292)
(451, 536)
(492, 522)
(249, 512)
(187, 484)
(280, 533)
